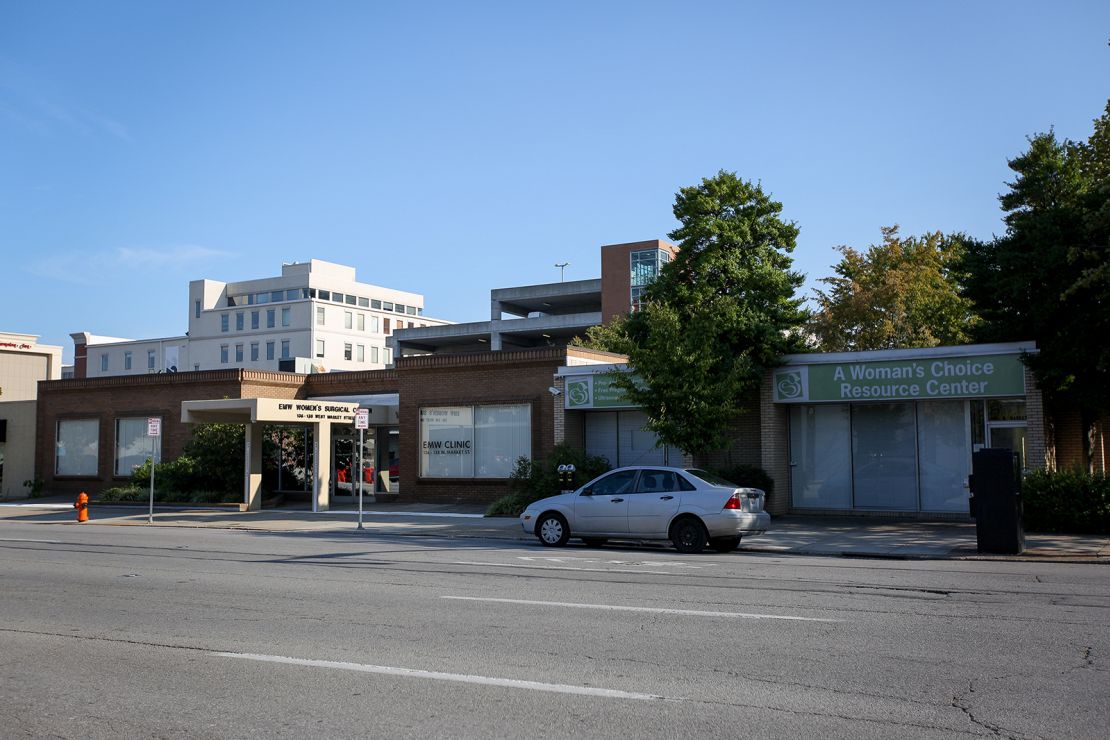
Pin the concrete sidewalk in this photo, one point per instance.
(789, 535)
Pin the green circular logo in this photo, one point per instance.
(790, 385)
(579, 393)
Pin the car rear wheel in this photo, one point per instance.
(724, 544)
(594, 541)
(552, 530)
(689, 535)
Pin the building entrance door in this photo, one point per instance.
(345, 462)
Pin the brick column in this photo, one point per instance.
(1037, 454)
(774, 446)
(558, 412)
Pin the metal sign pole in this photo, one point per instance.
(361, 472)
(153, 430)
(150, 515)
(362, 423)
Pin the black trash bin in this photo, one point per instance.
(995, 486)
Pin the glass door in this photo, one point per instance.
(821, 457)
(944, 454)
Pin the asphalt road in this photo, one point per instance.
(109, 632)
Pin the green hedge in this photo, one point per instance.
(1066, 501)
(162, 495)
(532, 480)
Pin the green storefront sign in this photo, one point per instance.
(970, 376)
(595, 392)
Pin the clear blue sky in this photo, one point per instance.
(450, 148)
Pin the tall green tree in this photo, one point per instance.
(903, 292)
(1048, 277)
(717, 315)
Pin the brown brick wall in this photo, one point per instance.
(775, 446)
(744, 440)
(1036, 434)
(446, 380)
(107, 399)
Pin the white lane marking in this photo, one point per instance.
(653, 563)
(36, 506)
(557, 567)
(373, 512)
(511, 683)
(45, 542)
(649, 609)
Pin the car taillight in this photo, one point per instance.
(734, 501)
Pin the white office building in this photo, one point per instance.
(315, 317)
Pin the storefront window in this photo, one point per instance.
(502, 434)
(1006, 409)
(884, 456)
(474, 441)
(77, 448)
(133, 446)
(821, 456)
(944, 454)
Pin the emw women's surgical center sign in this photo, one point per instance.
(895, 380)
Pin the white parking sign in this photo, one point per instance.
(154, 427)
(362, 418)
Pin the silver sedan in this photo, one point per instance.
(692, 508)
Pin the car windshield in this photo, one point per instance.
(710, 478)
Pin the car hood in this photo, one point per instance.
(563, 499)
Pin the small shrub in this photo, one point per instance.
(1066, 501)
(748, 476)
(532, 480)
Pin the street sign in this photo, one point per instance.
(154, 427)
(362, 418)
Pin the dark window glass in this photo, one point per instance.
(657, 481)
(614, 483)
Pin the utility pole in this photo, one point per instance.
(562, 266)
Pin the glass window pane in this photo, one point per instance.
(944, 452)
(277, 295)
(1007, 409)
(133, 446)
(337, 297)
(364, 302)
(447, 442)
(614, 484)
(293, 294)
(821, 457)
(884, 456)
(351, 300)
(1010, 438)
(501, 435)
(78, 447)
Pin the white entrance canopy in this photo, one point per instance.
(267, 411)
(254, 412)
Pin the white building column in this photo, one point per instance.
(252, 467)
(321, 466)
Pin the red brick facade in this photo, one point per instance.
(435, 380)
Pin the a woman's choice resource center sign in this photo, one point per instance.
(896, 380)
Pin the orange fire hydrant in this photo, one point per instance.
(82, 507)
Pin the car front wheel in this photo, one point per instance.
(552, 530)
(689, 536)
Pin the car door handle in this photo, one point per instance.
(615, 500)
(665, 498)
